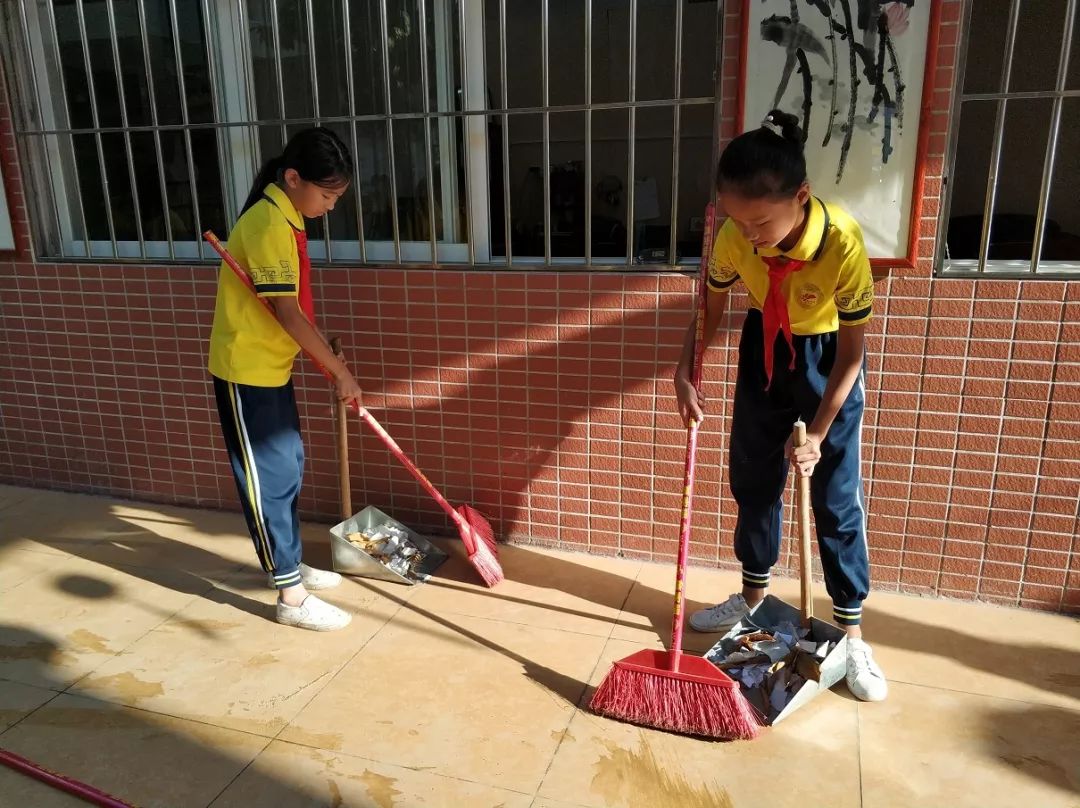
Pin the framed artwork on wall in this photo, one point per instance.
(854, 72)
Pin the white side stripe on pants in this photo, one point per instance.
(253, 474)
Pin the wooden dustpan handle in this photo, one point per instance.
(802, 490)
(342, 431)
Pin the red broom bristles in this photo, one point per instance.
(691, 708)
(480, 545)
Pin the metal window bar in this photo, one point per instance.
(675, 135)
(158, 152)
(315, 107)
(467, 109)
(187, 132)
(313, 72)
(588, 131)
(275, 36)
(351, 89)
(463, 36)
(507, 224)
(429, 169)
(384, 27)
(999, 135)
(80, 14)
(984, 266)
(248, 58)
(30, 50)
(67, 116)
(1055, 130)
(111, 15)
(618, 106)
(631, 135)
(215, 100)
(545, 81)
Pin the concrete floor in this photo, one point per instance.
(138, 653)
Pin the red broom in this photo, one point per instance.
(476, 532)
(669, 689)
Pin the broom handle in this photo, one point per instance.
(342, 428)
(421, 478)
(367, 417)
(61, 782)
(691, 449)
(798, 438)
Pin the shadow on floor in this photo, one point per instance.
(1040, 742)
(203, 570)
(116, 749)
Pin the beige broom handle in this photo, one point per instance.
(342, 444)
(803, 509)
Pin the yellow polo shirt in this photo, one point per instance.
(247, 345)
(835, 288)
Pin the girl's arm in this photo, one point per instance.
(692, 401)
(307, 336)
(844, 374)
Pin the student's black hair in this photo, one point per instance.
(317, 155)
(764, 163)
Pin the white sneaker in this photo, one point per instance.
(722, 616)
(864, 677)
(312, 579)
(313, 614)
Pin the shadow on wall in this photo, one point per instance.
(539, 401)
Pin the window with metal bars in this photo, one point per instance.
(1010, 205)
(570, 133)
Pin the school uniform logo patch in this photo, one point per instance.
(859, 300)
(808, 296)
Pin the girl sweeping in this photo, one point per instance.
(251, 361)
(811, 293)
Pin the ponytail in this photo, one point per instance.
(317, 155)
(270, 172)
(767, 162)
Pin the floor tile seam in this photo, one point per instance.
(165, 619)
(577, 707)
(1011, 699)
(380, 762)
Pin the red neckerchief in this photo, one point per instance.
(307, 301)
(774, 310)
(303, 288)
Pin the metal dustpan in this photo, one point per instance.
(820, 657)
(769, 615)
(350, 559)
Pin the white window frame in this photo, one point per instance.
(1036, 267)
(45, 136)
(231, 75)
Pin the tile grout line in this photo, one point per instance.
(1042, 459)
(575, 632)
(987, 696)
(858, 751)
(55, 695)
(144, 635)
(999, 437)
(416, 769)
(577, 707)
(336, 673)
